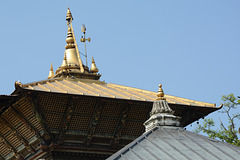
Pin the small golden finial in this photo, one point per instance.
(69, 17)
(64, 63)
(51, 73)
(160, 94)
(94, 68)
(51, 68)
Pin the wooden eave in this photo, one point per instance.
(98, 88)
(189, 113)
(86, 121)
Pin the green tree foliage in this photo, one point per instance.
(227, 133)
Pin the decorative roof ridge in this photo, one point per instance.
(60, 79)
(161, 114)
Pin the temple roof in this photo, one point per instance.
(74, 107)
(102, 89)
(176, 143)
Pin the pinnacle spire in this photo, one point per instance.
(161, 114)
(69, 16)
(160, 94)
(51, 73)
(64, 63)
(72, 64)
(94, 68)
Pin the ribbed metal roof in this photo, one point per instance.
(102, 89)
(176, 143)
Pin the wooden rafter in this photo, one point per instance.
(33, 100)
(24, 120)
(121, 124)
(95, 119)
(19, 136)
(10, 147)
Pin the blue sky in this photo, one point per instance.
(191, 47)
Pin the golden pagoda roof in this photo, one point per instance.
(98, 88)
(72, 64)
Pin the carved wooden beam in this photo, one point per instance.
(94, 121)
(66, 118)
(33, 100)
(16, 133)
(121, 124)
(5, 142)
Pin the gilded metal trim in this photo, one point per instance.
(96, 89)
(44, 87)
(127, 92)
(121, 95)
(56, 87)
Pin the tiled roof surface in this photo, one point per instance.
(102, 89)
(176, 143)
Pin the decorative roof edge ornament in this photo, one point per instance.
(18, 84)
(94, 68)
(51, 72)
(161, 114)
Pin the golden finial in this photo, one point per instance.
(160, 94)
(69, 17)
(64, 63)
(51, 73)
(94, 68)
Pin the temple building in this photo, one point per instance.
(72, 114)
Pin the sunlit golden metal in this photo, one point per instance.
(160, 94)
(69, 17)
(64, 63)
(84, 40)
(94, 68)
(70, 40)
(72, 65)
(51, 73)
